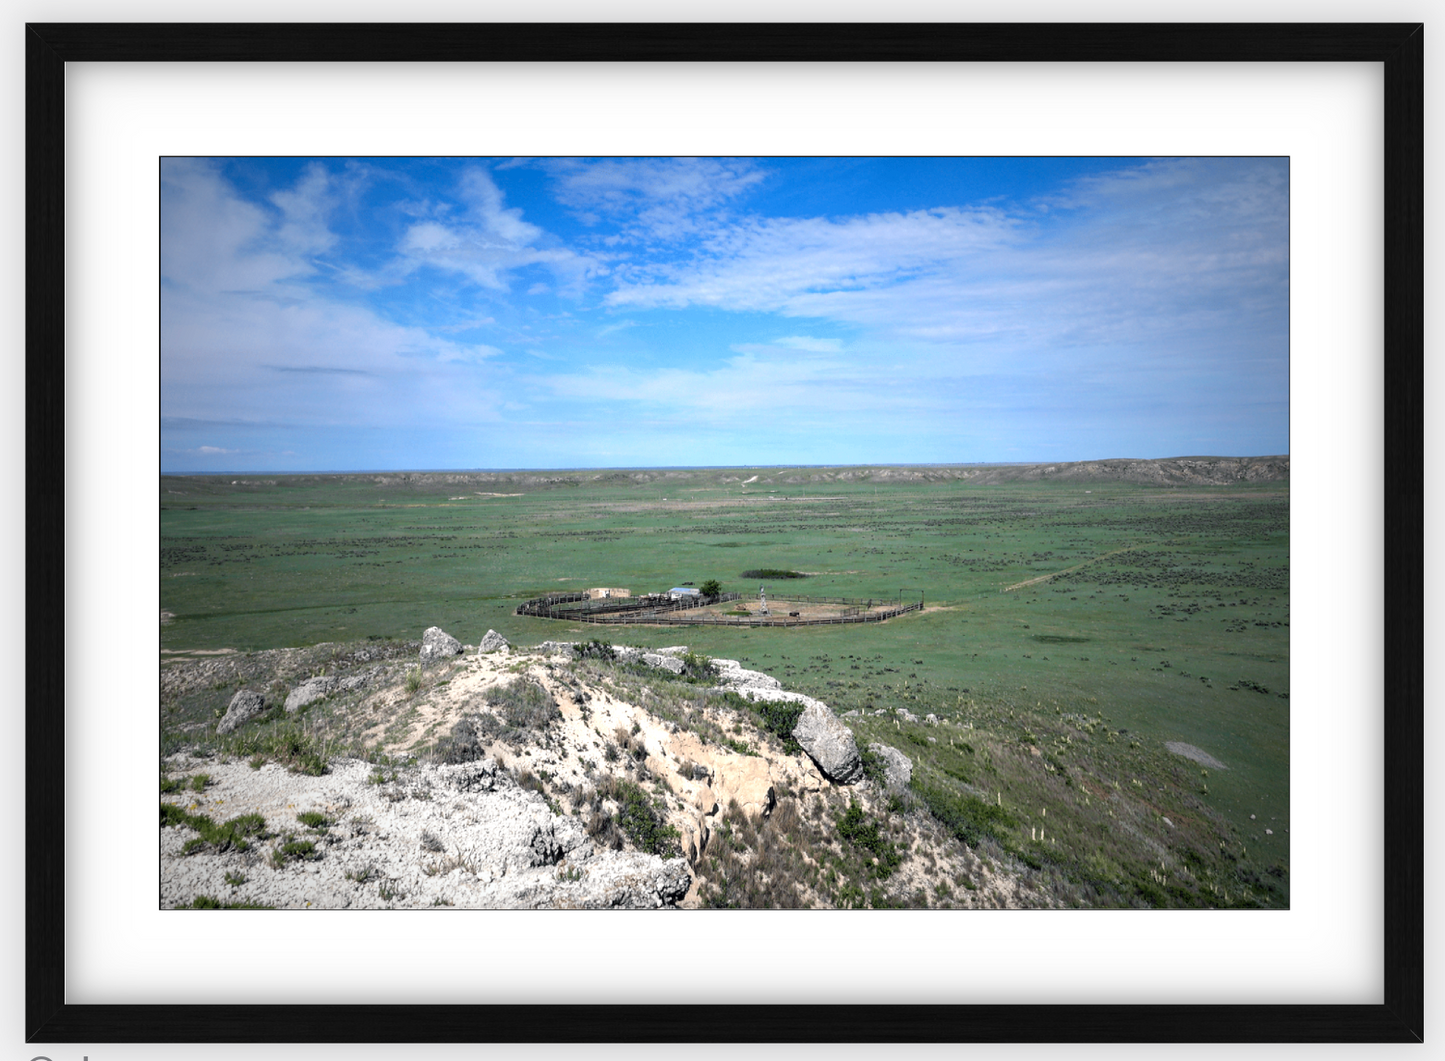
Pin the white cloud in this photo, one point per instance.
(653, 198)
(211, 450)
(304, 230)
(244, 337)
(211, 240)
(490, 242)
(808, 342)
(615, 326)
(1168, 249)
(778, 264)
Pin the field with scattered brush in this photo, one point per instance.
(1071, 630)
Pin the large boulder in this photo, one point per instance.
(897, 767)
(244, 706)
(310, 690)
(436, 643)
(492, 642)
(733, 674)
(667, 663)
(829, 743)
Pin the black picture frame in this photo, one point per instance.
(1399, 47)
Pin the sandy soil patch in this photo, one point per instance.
(1200, 756)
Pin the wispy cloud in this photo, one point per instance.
(490, 242)
(315, 369)
(652, 199)
(792, 265)
(811, 343)
(241, 305)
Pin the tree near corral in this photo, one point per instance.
(711, 588)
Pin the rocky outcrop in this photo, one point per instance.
(463, 835)
(733, 675)
(313, 689)
(493, 642)
(437, 644)
(667, 663)
(244, 706)
(829, 743)
(897, 767)
(309, 691)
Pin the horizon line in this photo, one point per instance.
(722, 467)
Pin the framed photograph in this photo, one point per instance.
(112, 110)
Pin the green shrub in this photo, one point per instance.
(229, 835)
(205, 902)
(596, 649)
(524, 705)
(779, 717)
(967, 817)
(641, 823)
(286, 743)
(303, 849)
(697, 668)
(173, 815)
(875, 767)
(169, 784)
(200, 781)
(711, 588)
(461, 745)
(771, 573)
(859, 830)
(313, 819)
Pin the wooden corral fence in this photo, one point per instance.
(663, 611)
(585, 609)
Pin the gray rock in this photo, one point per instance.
(668, 663)
(492, 642)
(897, 767)
(552, 648)
(829, 743)
(907, 715)
(932, 720)
(309, 691)
(353, 681)
(734, 675)
(244, 706)
(436, 643)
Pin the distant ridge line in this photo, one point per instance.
(1168, 471)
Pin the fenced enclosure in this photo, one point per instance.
(792, 609)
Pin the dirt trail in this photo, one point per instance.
(1069, 570)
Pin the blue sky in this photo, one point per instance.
(342, 314)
